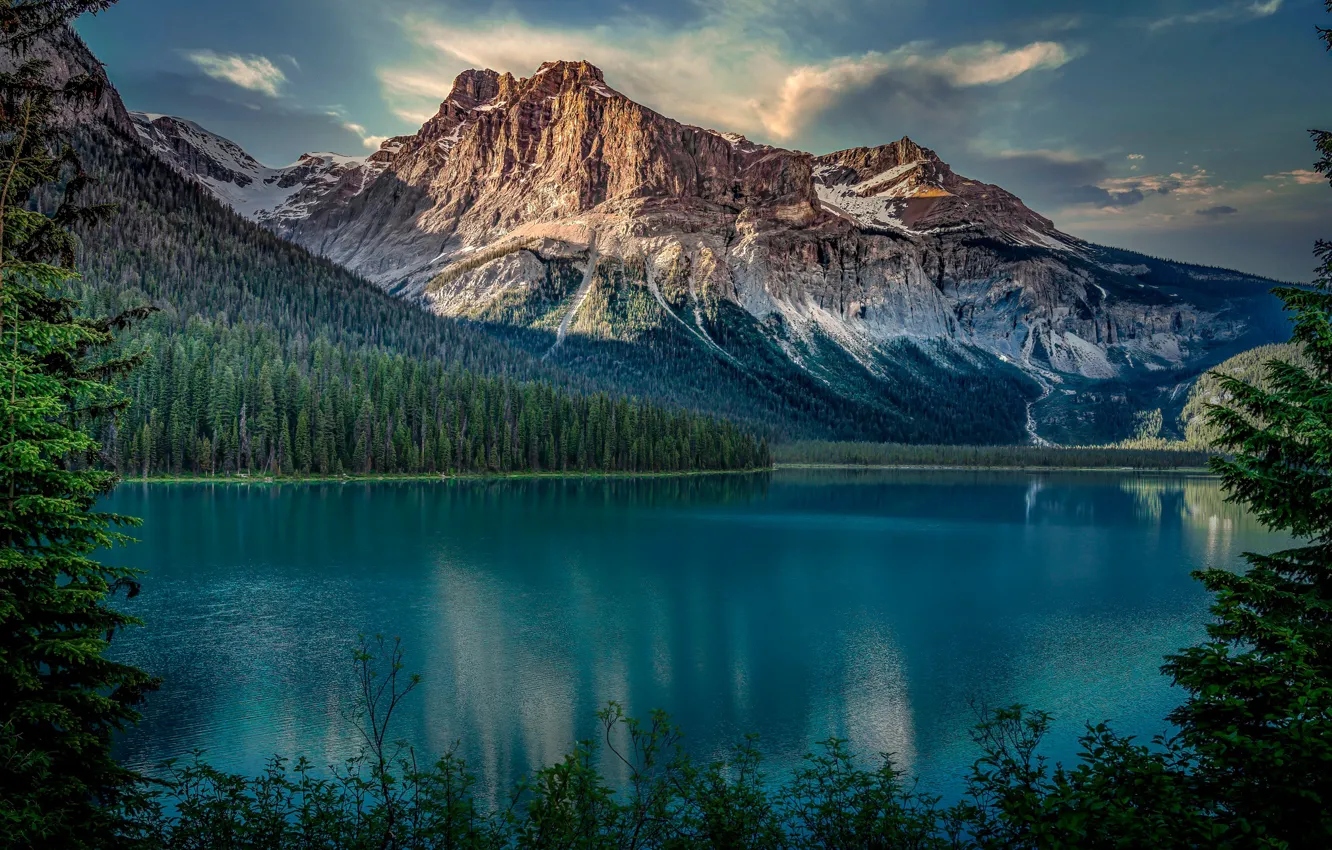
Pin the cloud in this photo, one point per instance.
(809, 90)
(1054, 178)
(275, 134)
(1051, 176)
(255, 73)
(1195, 183)
(1231, 12)
(719, 71)
(1110, 199)
(1216, 212)
(370, 141)
(1065, 178)
(1135, 156)
(1302, 176)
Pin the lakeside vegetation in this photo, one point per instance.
(368, 478)
(216, 399)
(818, 453)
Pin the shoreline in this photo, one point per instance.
(519, 476)
(419, 477)
(1191, 470)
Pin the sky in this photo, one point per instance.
(1173, 127)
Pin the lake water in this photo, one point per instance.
(877, 606)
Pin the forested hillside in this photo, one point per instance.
(979, 457)
(1249, 366)
(218, 280)
(263, 358)
(172, 246)
(215, 399)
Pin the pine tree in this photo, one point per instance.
(61, 699)
(1260, 710)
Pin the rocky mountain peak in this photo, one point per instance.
(578, 69)
(472, 88)
(869, 162)
(564, 76)
(555, 203)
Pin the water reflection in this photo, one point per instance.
(871, 605)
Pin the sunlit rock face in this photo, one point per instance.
(864, 246)
(556, 203)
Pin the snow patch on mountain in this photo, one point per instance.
(877, 210)
(256, 191)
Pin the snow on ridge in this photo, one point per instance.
(239, 180)
(329, 158)
(889, 175)
(874, 211)
(1048, 241)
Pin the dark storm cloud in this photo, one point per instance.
(1216, 211)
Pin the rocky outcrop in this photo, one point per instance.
(66, 57)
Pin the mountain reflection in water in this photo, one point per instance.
(879, 606)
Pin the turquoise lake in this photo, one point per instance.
(878, 606)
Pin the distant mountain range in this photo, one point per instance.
(271, 196)
(873, 284)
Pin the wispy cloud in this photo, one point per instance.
(256, 73)
(1115, 193)
(1301, 176)
(1216, 212)
(721, 71)
(368, 139)
(809, 89)
(1229, 12)
(1073, 180)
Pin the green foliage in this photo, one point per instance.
(1258, 724)
(380, 798)
(476, 260)
(1248, 366)
(61, 699)
(1249, 764)
(1147, 424)
(214, 399)
(174, 247)
(181, 251)
(264, 359)
(1006, 457)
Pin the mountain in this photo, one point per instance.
(264, 359)
(874, 290)
(271, 196)
(252, 324)
(554, 203)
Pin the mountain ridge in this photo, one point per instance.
(554, 203)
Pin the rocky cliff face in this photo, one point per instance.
(67, 57)
(556, 203)
(865, 246)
